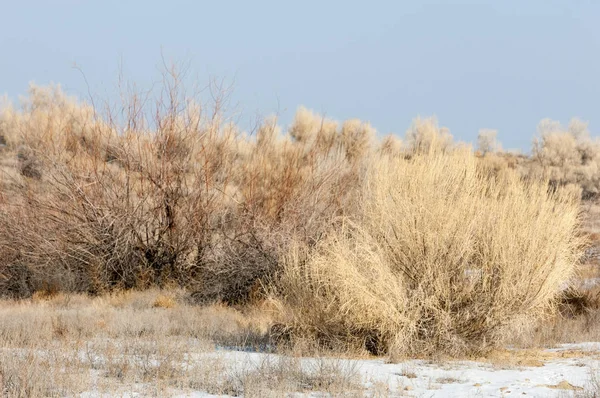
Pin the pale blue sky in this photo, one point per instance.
(475, 64)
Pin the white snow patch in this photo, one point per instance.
(420, 378)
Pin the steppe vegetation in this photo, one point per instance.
(135, 234)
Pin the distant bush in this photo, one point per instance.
(441, 257)
(425, 135)
(567, 155)
(487, 141)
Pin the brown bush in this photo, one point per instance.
(166, 192)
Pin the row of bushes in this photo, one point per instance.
(562, 155)
(165, 193)
(355, 241)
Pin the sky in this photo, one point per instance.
(502, 65)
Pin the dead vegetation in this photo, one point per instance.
(352, 243)
(396, 277)
(69, 344)
(164, 194)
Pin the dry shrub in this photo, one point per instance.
(31, 374)
(356, 138)
(442, 258)
(567, 155)
(425, 135)
(161, 190)
(496, 162)
(311, 129)
(119, 201)
(487, 141)
(575, 302)
(563, 155)
(164, 190)
(391, 146)
(288, 187)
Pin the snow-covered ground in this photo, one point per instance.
(559, 376)
(558, 372)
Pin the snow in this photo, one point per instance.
(420, 378)
(476, 379)
(461, 378)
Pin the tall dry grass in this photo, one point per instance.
(129, 343)
(441, 258)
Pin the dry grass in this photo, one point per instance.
(280, 376)
(591, 390)
(128, 314)
(65, 345)
(577, 320)
(164, 301)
